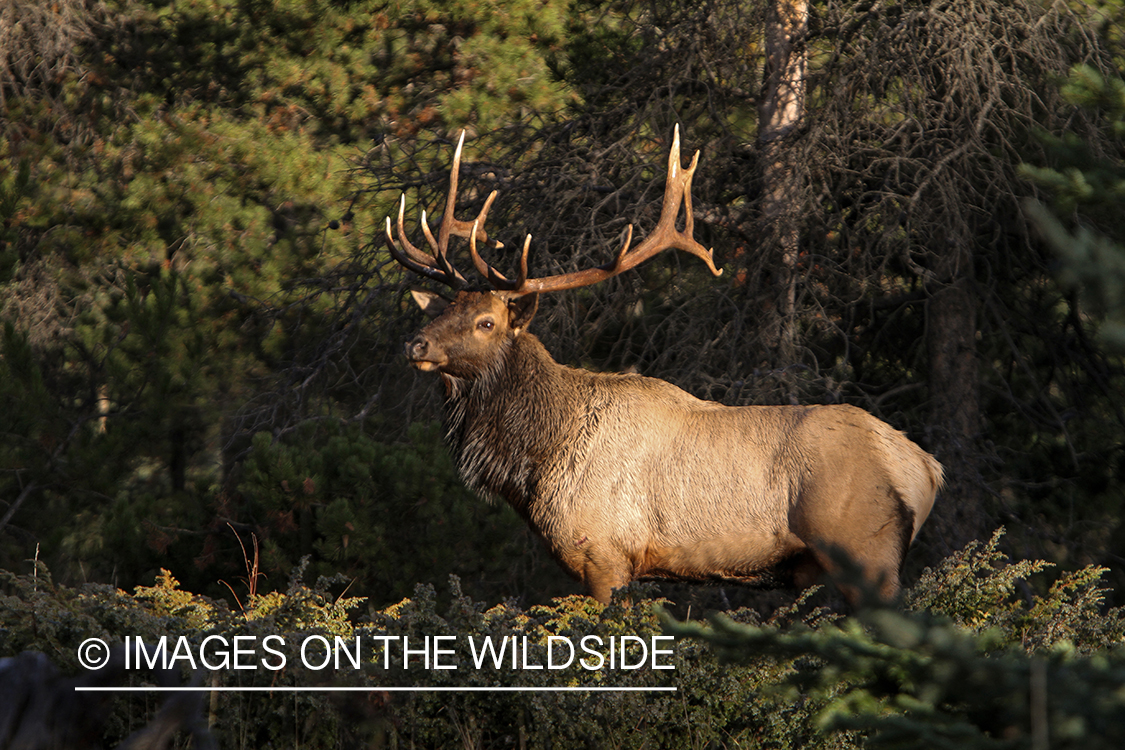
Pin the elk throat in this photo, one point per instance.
(502, 426)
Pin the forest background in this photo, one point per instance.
(917, 206)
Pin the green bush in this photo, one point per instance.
(386, 515)
(971, 663)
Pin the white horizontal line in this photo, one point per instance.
(294, 689)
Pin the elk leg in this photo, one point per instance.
(883, 556)
(879, 560)
(602, 576)
(806, 570)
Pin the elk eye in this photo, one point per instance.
(486, 324)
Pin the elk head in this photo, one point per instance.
(467, 332)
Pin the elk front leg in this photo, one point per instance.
(602, 574)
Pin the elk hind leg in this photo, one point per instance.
(878, 556)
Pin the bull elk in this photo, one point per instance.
(627, 477)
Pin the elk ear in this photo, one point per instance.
(431, 304)
(521, 310)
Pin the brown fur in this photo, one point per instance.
(628, 477)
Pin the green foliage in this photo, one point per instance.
(86, 427)
(136, 232)
(979, 589)
(969, 667)
(881, 678)
(1087, 188)
(386, 515)
(14, 186)
(1025, 671)
(1084, 176)
(175, 179)
(975, 582)
(916, 679)
(713, 703)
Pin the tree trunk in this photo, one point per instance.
(780, 112)
(951, 322)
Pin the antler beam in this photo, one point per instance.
(677, 191)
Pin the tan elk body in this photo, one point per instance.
(627, 477)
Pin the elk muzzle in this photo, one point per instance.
(418, 352)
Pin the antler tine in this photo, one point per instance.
(420, 262)
(522, 280)
(677, 191)
(440, 250)
(495, 278)
(447, 219)
(439, 266)
(430, 270)
(450, 224)
(417, 255)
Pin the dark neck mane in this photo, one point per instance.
(503, 425)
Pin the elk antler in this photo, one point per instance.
(438, 266)
(677, 190)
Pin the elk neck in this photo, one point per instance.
(503, 426)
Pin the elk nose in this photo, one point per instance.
(416, 348)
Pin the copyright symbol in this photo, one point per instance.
(93, 653)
